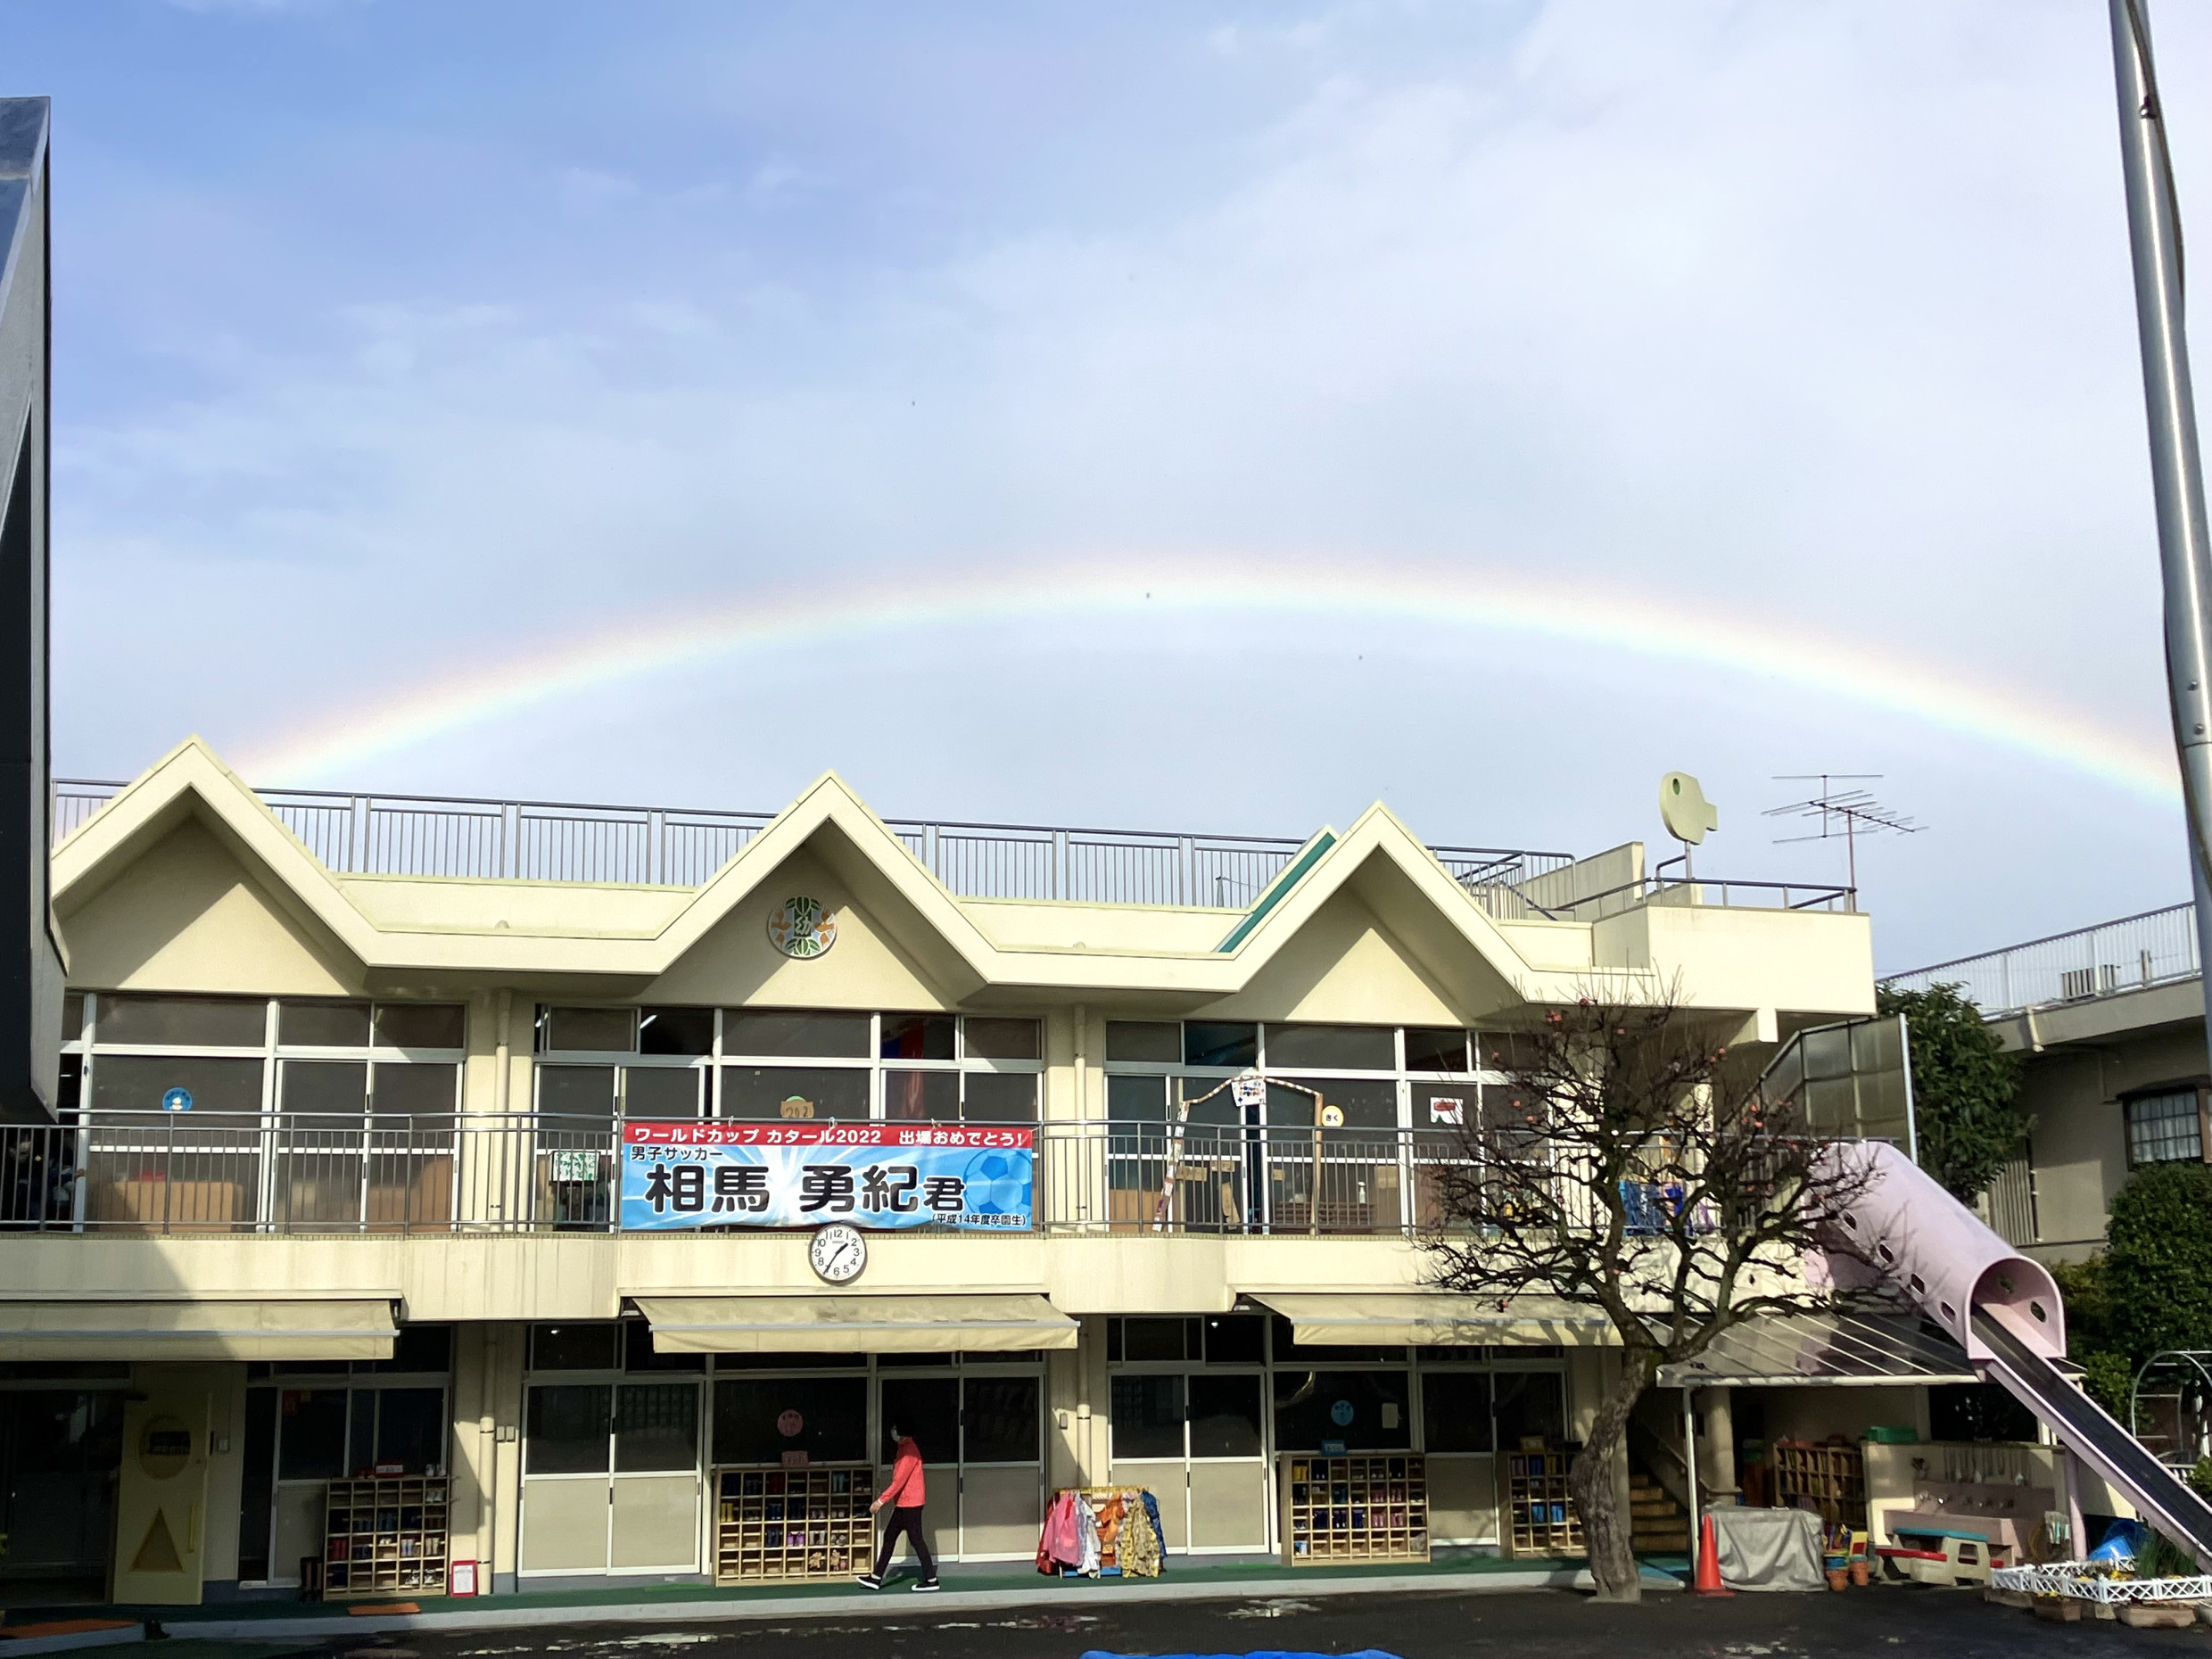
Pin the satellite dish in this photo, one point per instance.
(1684, 809)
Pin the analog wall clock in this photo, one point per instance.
(838, 1252)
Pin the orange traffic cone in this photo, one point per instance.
(1707, 1581)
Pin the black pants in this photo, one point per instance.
(906, 1520)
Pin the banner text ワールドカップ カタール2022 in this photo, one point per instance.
(678, 1176)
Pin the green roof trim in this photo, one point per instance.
(1277, 888)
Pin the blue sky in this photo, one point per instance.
(394, 339)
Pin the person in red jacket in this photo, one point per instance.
(906, 1495)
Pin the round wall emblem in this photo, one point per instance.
(788, 1423)
(802, 927)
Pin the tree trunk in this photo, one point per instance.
(1605, 1528)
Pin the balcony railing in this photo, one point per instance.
(284, 1173)
(425, 835)
(2135, 952)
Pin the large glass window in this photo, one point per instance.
(758, 1419)
(802, 1091)
(2165, 1128)
(1331, 1048)
(926, 1408)
(1456, 1411)
(1366, 1410)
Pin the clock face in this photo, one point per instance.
(838, 1252)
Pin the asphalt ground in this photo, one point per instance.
(1889, 1622)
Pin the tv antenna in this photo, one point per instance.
(1849, 812)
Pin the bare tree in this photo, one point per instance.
(1633, 1166)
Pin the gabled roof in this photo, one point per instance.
(1378, 860)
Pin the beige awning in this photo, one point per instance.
(1434, 1318)
(360, 1329)
(853, 1325)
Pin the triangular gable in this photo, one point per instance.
(1426, 915)
(189, 787)
(1435, 920)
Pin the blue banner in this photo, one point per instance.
(679, 1176)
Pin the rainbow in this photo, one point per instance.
(1240, 589)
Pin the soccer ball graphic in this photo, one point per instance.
(996, 1182)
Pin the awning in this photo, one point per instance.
(1434, 1318)
(853, 1325)
(357, 1329)
(1834, 1350)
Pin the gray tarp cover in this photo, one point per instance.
(1769, 1549)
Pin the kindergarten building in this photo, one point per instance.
(591, 1186)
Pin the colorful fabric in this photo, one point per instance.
(1151, 1514)
(1139, 1553)
(1086, 1559)
(905, 1490)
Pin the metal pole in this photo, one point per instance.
(2177, 477)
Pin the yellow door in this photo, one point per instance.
(161, 1500)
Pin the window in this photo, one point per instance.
(182, 1021)
(1155, 1041)
(1230, 1046)
(678, 1031)
(589, 1030)
(2165, 1128)
(773, 1065)
(1366, 1410)
(1331, 1048)
(323, 1024)
(580, 1347)
(1225, 1415)
(917, 1037)
(313, 1423)
(421, 1025)
(1529, 1405)
(565, 1429)
(1147, 1417)
(639, 1353)
(776, 1092)
(999, 1419)
(1235, 1339)
(926, 1408)
(1429, 1048)
(758, 1419)
(1003, 1039)
(801, 1036)
(1456, 1411)
(657, 1427)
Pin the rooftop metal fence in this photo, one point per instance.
(2135, 952)
(421, 835)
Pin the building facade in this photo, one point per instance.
(2109, 1024)
(496, 1152)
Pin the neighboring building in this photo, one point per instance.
(380, 1220)
(2109, 1022)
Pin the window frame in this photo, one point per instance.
(719, 1056)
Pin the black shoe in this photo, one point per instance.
(868, 1580)
(926, 1584)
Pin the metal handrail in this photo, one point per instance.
(292, 1173)
(482, 839)
(2151, 947)
(1818, 894)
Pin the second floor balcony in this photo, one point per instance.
(202, 1173)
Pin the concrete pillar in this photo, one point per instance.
(1716, 1449)
(487, 1448)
